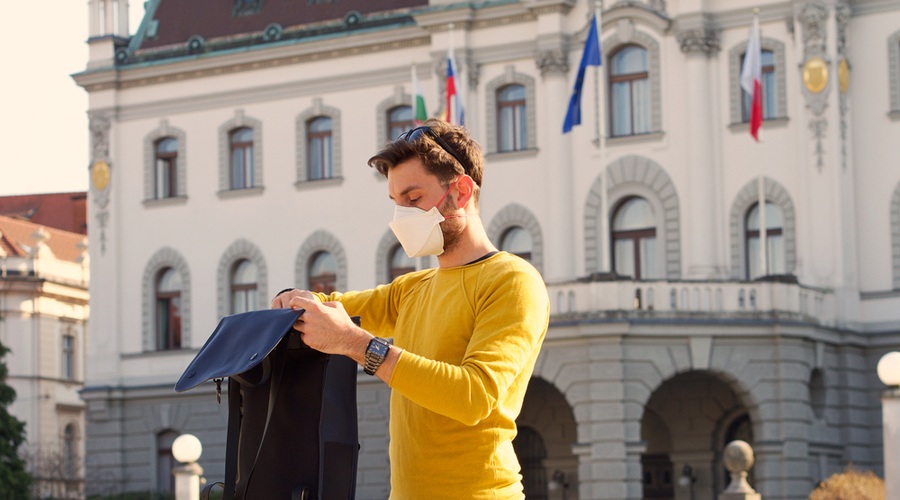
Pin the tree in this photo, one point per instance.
(14, 479)
(858, 485)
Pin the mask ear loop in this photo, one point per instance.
(441, 201)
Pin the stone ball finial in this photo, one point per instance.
(738, 456)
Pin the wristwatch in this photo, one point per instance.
(375, 354)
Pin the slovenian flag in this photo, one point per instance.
(418, 105)
(590, 57)
(751, 78)
(455, 112)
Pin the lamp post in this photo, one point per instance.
(687, 479)
(889, 373)
(187, 449)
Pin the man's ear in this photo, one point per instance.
(466, 188)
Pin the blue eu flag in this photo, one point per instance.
(590, 57)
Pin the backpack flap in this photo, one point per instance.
(238, 344)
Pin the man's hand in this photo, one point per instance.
(283, 300)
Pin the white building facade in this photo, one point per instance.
(229, 150)
(44, 279)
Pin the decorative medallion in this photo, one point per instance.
(843, 75)
(815, 74)
(100, 175)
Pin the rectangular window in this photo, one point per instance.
(320, 157)
(168, 323)
(68, 357)
(768, 87)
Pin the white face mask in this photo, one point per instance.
(418, 231)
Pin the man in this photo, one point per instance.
(466, 335)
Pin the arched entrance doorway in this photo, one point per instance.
(544, 444)
(687, 422)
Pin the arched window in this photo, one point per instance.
(530, 450)
(244, 279)
(168, 310)
(629, 96)
(69, 452)
(165, 480)
(400, 263)
(775, 250)
(769, 89)
(399, 120)
(165, 167)
(516, 240)
(241, 146)
(512, 126)
(634, 239)
(322, 273)
(318, 139)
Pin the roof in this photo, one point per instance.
(66, 211)
(16, 238)
(173, 28)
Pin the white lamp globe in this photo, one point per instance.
(186, 448)
(889, 369)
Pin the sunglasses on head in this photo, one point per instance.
(413, 135)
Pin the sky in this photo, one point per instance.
(45, 129)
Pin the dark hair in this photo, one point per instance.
(436, 159)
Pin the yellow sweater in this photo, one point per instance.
(470, 336)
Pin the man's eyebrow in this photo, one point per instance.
(405, 191)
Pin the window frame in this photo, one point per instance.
(750, 234)
(247, 154)
(165, 164)
(510, 77)
(630, 78)
(165, 257)
(735, 60)
(180, 177)
(168, 335)
(329, 280)
(505, 122)
(68, 356)
(402, 125)
(636, 236)
(302, 154)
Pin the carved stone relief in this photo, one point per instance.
(813, 18)
(552, 62)
(100, 171)
(699, 41)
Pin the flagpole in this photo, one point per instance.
(598, 80)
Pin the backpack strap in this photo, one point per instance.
(278, 361)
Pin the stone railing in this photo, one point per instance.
(715, 298)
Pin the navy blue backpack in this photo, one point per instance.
(292, 422)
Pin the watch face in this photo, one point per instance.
(379, 349)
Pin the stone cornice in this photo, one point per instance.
(220, 64)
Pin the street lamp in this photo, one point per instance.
(187, 449)
(889, 373)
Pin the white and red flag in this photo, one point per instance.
(751, 78)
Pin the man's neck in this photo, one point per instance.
(473, 244)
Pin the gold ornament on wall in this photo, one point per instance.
(815, 74)
(843, 75)
(100, 175)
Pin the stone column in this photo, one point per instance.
(703, 212)
(552, 60)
